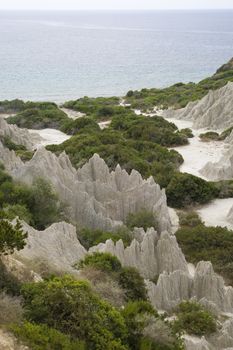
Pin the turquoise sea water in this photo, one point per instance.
(63, 55)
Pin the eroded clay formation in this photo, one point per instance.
(213, 111)
(18, 135)
(95, 197)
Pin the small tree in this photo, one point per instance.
(11, 237)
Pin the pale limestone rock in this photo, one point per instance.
(195, 343)
(94, 196)
(57, 246)
(170, 290)
(221, 170)
(215, 110)
(18, 135)
(207, 284)
(151, 255)
(9, 342)
(9, 159)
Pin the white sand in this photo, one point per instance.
(72, 114)
(104, 125)
(197, 153)
(215, 213)
(50, 136)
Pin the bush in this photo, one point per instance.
(11, 309)
(149, 158)
(46, 207)
(213, 244)
(187, 132)
(9, 284)
(105, 285)
(209, 136)
(189, 219)
(142, 218)
(39, 116)
(194, 319)
(88, 237)
(72, 127)
(41, 337)
(185, 190)
(133, 284)
(101, 261)
(136, 315)
(72, 308)
(12, 237)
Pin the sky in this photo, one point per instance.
(114, 4)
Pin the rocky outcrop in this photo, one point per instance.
(221, 170)
(18, 135)
(57, 246)
(206, 287)
(214, 111)
(9, 159)
(195, 343)
(150, 256)
(94, 196)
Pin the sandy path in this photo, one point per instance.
(50, 137)
(197, 153)
(215, 213)
(72, 114)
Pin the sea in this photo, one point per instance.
(58, 56)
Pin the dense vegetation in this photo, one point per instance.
(12, 237)
(127, 277)
(66, 312)
(88, 237)
(211, 135)
(100, 108)
(185, 190)
(214, 244)
(180, 94)
(115, 147)
(38, 115)
(37, 205)
(194, 319)
(142, 218)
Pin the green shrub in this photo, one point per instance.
(194, 319)
(185, 190)
(41, 337)
(146, 157)
(133, 284)
(12, 237)
(213, 244)
(136, 315)
(72, 127)
(189, 219)
(8, 282)
(46, 207)
(209, 136)
(99, 108)
(142, 218)
(72, 308)
(187, 132)
(101, 261)
(39, 116)
(88, 237)
(13, 106)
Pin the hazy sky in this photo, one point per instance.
(114, 4)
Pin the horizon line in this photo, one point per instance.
(119, 9)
